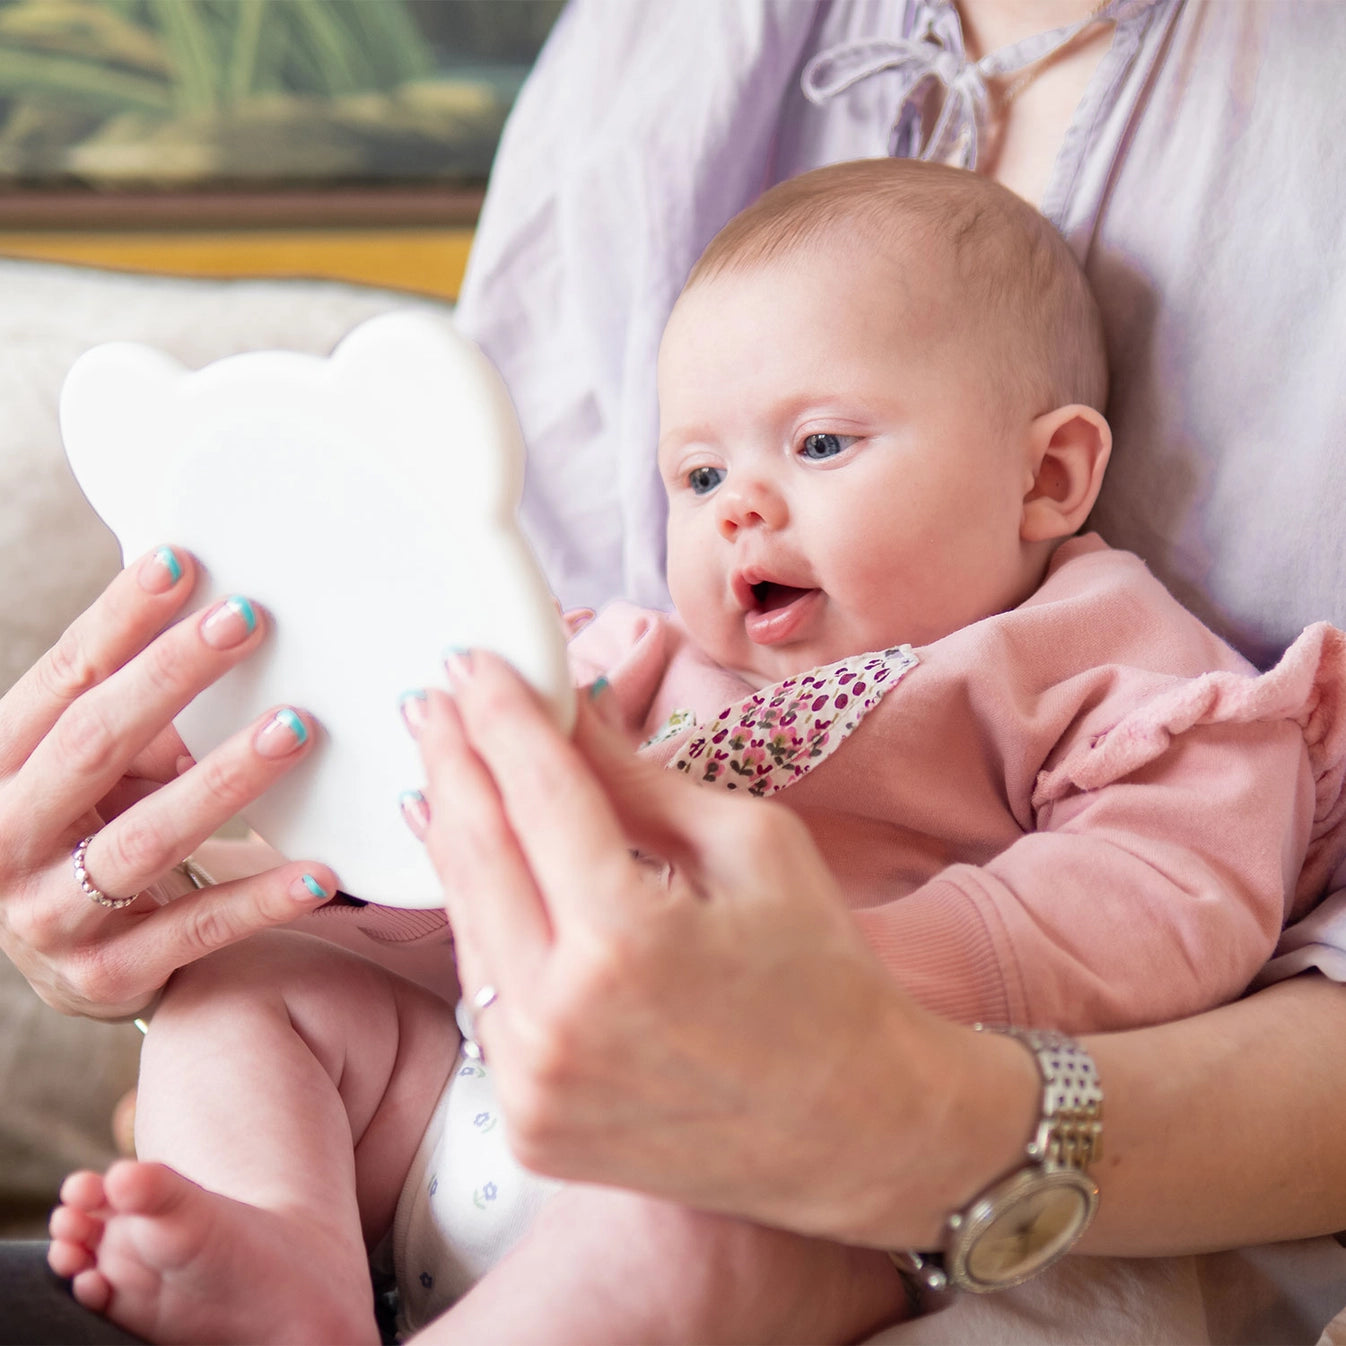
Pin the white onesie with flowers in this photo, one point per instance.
(465, 1203)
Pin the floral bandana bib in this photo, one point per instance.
(782, 732)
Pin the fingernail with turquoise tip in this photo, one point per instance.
(306, 888)
(229, 623)
(244, 609)
(168, 558)
(412, 704)
(598, 687)
(458, 662)
(415, 811)
(281, 734)
(160, 571)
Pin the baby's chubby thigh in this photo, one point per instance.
(285, 1046)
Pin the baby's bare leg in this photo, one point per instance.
(602, 1266)
(284, 1088)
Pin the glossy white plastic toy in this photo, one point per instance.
(368, 501)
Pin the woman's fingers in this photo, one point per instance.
(223, 914)
(560, 817)
(163, 759)
(577, 806)
(88, 749)
(131, 851)
(131, 611)
(500, 922)
(117, 970)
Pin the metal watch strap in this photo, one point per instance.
(1070, 1125)
(1069, 1134)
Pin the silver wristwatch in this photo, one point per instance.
(1022, 1224)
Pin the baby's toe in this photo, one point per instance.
(136, 1187)
(70, 1224)
(67, 1258)
(91, 1289)
(83, 1190)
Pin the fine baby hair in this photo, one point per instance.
(1015, 282)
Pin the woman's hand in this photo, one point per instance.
(719, 1033)
(87, 748)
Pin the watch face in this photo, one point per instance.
(1021, 1227)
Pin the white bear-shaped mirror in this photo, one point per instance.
(368, 502)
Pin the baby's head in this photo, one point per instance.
(881, 398)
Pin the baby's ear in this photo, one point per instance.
(1069, 450)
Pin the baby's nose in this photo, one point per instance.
(750, 504)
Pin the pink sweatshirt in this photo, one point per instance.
(1088, 812)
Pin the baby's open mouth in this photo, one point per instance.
(774, 612)
(768, 595)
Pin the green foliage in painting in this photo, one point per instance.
(238, 89)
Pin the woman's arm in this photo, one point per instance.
(1224, 1129)
(87, 749)
(725, 1038)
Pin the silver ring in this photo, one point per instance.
(89, 889)
(466, 1013)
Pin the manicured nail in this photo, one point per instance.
(413, 706)
(160, 571)
(415, 811)
(458, 663)
(305, 888)
(597, 687)
(280, 735)
(228, 623)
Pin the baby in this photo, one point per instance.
(1052, 797)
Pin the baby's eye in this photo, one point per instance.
(819, 446)
(703, 480)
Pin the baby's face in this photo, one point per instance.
(840, 475)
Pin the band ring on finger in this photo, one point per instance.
(90, 889)
(467, 1012)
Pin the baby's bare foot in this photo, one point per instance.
(170, 1261)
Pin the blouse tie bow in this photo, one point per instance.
(934, 55)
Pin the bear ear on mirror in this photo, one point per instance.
(367, 503)
(449, 389)
(112, 403)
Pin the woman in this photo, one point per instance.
(1175, 146)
